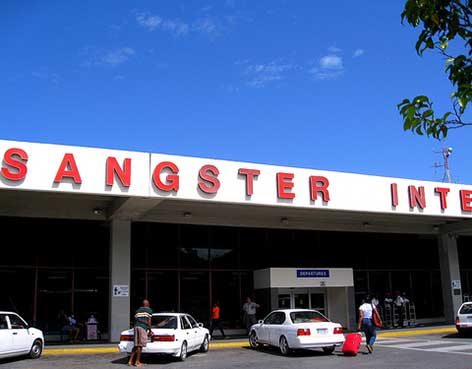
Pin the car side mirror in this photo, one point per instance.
(261, 322)
(200, 325)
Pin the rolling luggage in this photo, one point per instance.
(352, 343)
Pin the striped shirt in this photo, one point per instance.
(141, 317)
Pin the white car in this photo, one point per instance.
(464, 318)
(17, 338)
(173, 334)
(292, 329)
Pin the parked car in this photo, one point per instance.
(174, 334)
(17, 338)
(464, 318)
(293, 329)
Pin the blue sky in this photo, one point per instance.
(305, 83)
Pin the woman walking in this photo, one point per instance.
(366, 322)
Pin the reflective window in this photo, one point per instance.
(192, 321)
(466, 309)
(16, 322)
(164, 322)
(307, 317)
(3, 322)
(184, 323)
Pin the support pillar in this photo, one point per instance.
(120, 277)
(450, 276)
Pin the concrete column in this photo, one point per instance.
(120, 275)
(450, 274)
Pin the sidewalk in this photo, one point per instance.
(236, 342)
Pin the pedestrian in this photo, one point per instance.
(365, 323)
(250, 310)
(142, 328)
(216, 319)
(399, 304)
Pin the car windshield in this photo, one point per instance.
(466, 309)
(307, 317)
(164, 322)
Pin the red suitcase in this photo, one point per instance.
(352, 343)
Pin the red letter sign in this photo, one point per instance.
(250, 174)
(466, 200)
(18, 163)
(68, 169)
(113, 168)
(417, 197)
(208, 173)
(442, 191)
(172, 180)
(394, 192)
(319, 184)
(284, 182)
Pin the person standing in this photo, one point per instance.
(216, 319)
(142, 328)
(399, 304)
(250, 310)
(365, 323)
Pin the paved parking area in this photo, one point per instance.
(429, 352)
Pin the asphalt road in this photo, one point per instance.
(428, 352)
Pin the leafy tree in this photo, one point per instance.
(442, 21)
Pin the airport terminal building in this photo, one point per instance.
(95, 230)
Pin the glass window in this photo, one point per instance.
(279, 318)
(307, 317)
(466, 309)
(284, 301)
(3, 322)
(192, 321)
(184, 323)
(164, 321)
(16, 322)
(269, 319)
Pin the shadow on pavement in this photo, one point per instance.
(153, 359)
(269, 350)
(457, 335)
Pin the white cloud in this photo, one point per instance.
(153, 22)
(206, 25)
(112, 57)
(260, 75)
(358, 52)
(117, 56)
(328, 67)
(334, 49)
(46, 76)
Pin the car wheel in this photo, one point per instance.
(283, 346)
(253, 341)
(36, 349)
(183, 352)
(205, 345)
(328, 350)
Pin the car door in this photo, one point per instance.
(19, 331)
(6, 337)
(188, 333)
(263, 332)
(199, 333)
(277, 328)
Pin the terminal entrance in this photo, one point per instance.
(302, 298)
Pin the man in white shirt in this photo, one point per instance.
(399, 306)
(250, 309)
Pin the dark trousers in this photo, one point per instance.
(216, 323)
(400, 312)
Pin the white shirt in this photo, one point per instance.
(375, 302)
(250, 308)
(399, 301)
(367, 310)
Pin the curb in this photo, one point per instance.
(223, 345)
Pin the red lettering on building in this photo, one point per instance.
(250, 174)
(442, 191)
(466, 200)
(417, 197)
(319, 184)
(285, 185)
(68, 169)
(209, 183)
(394, 193)
(16, 159)
(113, 168)
(172, 180)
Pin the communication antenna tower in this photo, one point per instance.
(446, 153)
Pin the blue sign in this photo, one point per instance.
(312, 273)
